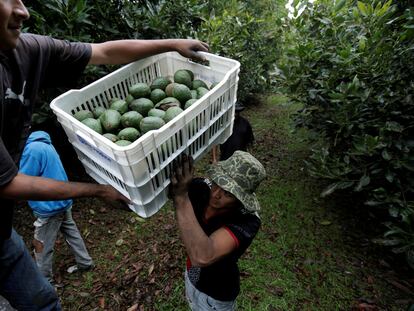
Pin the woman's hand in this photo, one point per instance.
(182, 176)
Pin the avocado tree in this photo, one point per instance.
(350, 64)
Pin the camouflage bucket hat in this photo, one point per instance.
(240, 175)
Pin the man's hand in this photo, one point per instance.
(189, 48)
(111, 195)
(182, 176)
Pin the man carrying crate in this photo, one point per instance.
(217, 218)
(28, 63)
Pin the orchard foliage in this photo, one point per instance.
(247, 31)
(351, 64)
(243, 30)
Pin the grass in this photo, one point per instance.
(308, 254)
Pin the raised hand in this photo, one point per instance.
(182, 176)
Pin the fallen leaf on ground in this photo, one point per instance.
(133, 308)
(151, 268)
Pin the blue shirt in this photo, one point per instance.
(40, 158)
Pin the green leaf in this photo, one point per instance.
(384, 8)
(334, 186)
(385, 155)
(387, 242)
(389, 176)
(373, 203)
(325, 222)
(362, 8)
(394, 211)
(393, 126)
(364, 181)
(339, 5)
(329, 190)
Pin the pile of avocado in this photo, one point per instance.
(146, 107)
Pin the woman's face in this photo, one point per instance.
(222, 199)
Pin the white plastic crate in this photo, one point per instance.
(142, 169)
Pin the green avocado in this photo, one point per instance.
(120, 105)
(123, 142)
(131, 119)
(140, 90)
(141, 105)
(171, 113)
(181, 92)
(93, 124)
(199, 83)
(98, 111)
(110, 120)
(83, 114)
(157, 95)
(189, 102)
(156, 113)
(160, 83)
(183, 76)
(151, 123)
(129, 133)
(111, 137)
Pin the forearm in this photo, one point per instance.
(24, 187)
(198, 245)
(126, 51)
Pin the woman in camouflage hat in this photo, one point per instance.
(217, 218)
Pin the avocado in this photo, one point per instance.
(160, 83)
(142, 105)
(183, 76)
(140, 90)
(157, 95)
(131, 119)
(129, 133)
(181, 92)
(93, 124)
(110, 120)
(98, 111)
(120, 105)
(171, 113)
(83, 114)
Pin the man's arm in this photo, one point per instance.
(202, 249)
(126, 51)
(24, 187)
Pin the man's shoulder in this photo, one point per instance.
(30, 39)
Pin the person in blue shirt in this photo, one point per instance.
(40, 158)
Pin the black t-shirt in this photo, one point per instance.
(221, 280)
(8, 170)
(241, 137)
(37, 62)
